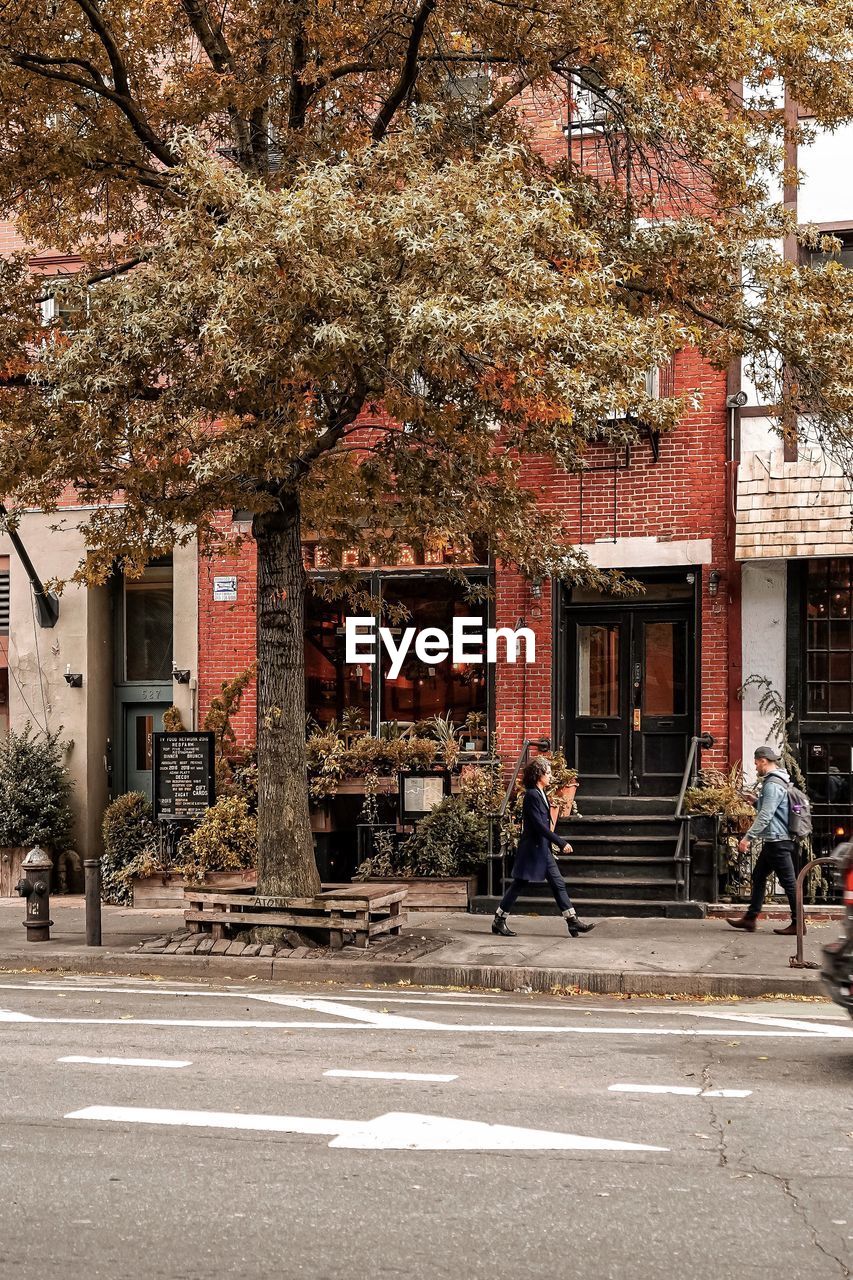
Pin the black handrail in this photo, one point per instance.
(704, 740)
(682, 847)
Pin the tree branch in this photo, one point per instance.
(108, 273)
(209, 35)
(39, 66)
(123, 97)
(408, 72)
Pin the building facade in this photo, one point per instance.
(794, 549)
(740, 552)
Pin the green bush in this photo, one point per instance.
(35, 792)
(225, 840)
(130, 845)
(451, 841)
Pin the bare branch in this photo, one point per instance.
(209, 35)
(41, 67)
(408, 72)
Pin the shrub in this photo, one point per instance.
(130, 845)
(35, 792)
(225, 840)
(451, 841)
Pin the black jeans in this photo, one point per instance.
(556, 883)
(775, 856)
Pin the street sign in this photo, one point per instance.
(184, 781)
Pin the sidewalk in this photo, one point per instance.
(448, 949)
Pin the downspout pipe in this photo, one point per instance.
(47, 604)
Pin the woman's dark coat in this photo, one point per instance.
(534, 847)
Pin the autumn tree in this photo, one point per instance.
(326, 276)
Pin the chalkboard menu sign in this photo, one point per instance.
(184, 783)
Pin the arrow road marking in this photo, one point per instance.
(388, 1075)
(682, 1090)
(395, 1131)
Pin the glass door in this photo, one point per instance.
(662, 703)
(630, 695)
(599, 723)
(142, 721)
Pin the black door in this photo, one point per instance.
(630, 690)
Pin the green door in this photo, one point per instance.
(141, 721)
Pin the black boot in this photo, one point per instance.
(577, 926)
(499, 925)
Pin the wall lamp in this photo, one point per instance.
(180, 675)
(737, 400)
(74, 679)
(536, 588)
(714, 582)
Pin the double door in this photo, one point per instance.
(631, 698)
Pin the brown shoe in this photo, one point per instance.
(742, 922)
(790, 931)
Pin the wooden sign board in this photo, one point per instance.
(184, 777)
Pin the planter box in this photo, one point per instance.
(165, 890)
(432, 893)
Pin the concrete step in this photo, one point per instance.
(626, 806)
(643, 868)
(594, 840)
(597, 886)
(606, 827)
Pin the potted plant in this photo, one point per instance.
(564, 784)
(720, 811)
(440, 861)
(473, 733)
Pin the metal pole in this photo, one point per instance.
(797, 961)
(92, 871)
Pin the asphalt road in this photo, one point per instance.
(227, 1149)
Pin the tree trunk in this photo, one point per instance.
(286, 863)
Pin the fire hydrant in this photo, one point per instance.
(34, 885)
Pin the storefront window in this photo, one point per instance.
(421, 691)
(331, 687)
(148, 625)
(334, 688)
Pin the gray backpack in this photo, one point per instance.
(799, 812)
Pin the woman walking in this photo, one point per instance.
(534, 861)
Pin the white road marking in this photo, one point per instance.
(128, 1062)
(396, 1131)
(372, 1016)
(473, 998)
(388, 1075)
(412, 1025)
(726, 1093)
(683, 1090)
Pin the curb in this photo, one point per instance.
(376, 972)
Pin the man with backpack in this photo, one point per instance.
(783, 814)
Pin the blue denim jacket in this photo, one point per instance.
(771, 820)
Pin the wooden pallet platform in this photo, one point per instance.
(364, 910)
